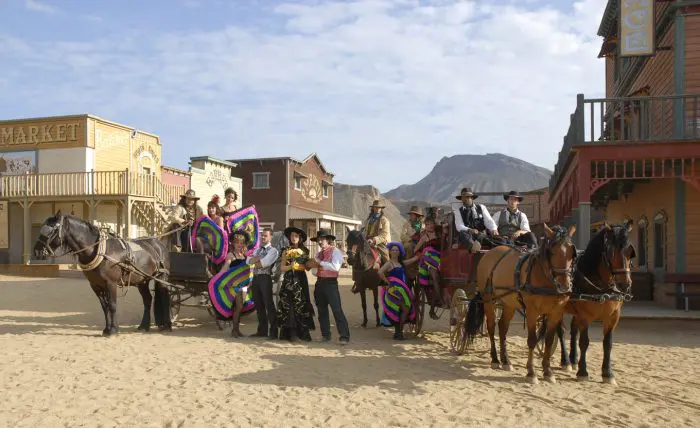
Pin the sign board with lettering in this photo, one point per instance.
(637, 28)
(41, 134)
(4, 225)
(16, 163)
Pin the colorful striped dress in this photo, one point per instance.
(429, 259)
(393, 294)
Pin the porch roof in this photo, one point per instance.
(297, 213)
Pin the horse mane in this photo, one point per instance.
(593, 254)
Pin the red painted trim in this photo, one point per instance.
(638, 151)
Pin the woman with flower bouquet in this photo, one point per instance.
(295, 313)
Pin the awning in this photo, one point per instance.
(296, 213)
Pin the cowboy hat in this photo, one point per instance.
(468, 191)
(376, 204)
(323, 233)
(288, 233)
(514, 193)
(415, 209)
(190, 194)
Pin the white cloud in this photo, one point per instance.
(37, 6)
(380, 89)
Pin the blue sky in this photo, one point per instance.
(381, 90)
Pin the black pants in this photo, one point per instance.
(527, 238)
(264, 304)
(326, 294)
(183, 238)
(467, 239)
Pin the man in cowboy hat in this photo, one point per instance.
(410, 235)
(472, 220)
(184, 216)
(377, 230)
(327, 262)
(513, 223)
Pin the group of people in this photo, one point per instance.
(420, 244)
(293, 315)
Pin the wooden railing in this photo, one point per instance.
(93, 183)
(629, 120)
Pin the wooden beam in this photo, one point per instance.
(639, 151)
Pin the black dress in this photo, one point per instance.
(295, 313)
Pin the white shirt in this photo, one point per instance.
(269, 258)
(524, 222)
(459, 223)
(335, 263)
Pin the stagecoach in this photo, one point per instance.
(457, 286)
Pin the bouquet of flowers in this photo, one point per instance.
(297, 258)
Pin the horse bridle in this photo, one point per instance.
(375, 256)
(614, 282)
(553, 273)
(47, 236)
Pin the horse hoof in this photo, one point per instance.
(566, 367)
(574, 367)
(583, 378)
(533, 380)
(496, 366)
(550, 379)
(610, 381)
(507, 367)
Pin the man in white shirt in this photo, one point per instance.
(263, 259)
(472, 220)
(513, 223)
(327, 262)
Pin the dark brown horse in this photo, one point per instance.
(602, 283)
(109, 262)
(538, 281)
(364, 262)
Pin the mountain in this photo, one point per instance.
(354, 201)
(493, 172)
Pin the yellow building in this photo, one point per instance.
(95, 169)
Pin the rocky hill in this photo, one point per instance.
(493, 172)
(354, 201)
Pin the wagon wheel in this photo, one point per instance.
(540, 344)
(415, 327)
(175, 299)
(458, 318)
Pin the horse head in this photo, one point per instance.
(354, 244)
(558, 251)
(51, 236)
(609, 255)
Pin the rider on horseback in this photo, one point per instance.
(513, 223)
(377, 231)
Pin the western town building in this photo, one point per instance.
(291, 192)
(98, 170)
(635, 154)
(212, 177)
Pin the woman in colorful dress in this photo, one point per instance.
(295, 313)
(229, 207)
(397, 299)
(428, 249)
(237, 256)
(213, 212)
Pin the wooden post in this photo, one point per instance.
(27, 223)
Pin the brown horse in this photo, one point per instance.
(365, 267)
(538, 281)
(109, 262)
(602, 283)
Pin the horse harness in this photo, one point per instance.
(613, 291)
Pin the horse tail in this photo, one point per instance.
(475, 317)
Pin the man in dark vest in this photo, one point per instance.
(264, 259)
(513, 223)
(472, 220)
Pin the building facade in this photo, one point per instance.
(84, 165)
(636, 153)
(212, 177)
(291, 192)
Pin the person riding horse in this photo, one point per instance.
(472, 221)
(411, 233)
(377, 231)
(513, 223)
(184, 216)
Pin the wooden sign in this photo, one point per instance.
(637, 28)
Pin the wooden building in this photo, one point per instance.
(212, 177)
(636, 152)
(99, 170)
(291, 192)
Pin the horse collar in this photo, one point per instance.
(99, 256)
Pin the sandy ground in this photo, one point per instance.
(58, 371)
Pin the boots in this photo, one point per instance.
(398, 332)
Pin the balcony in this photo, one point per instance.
(89, 184)
(620, 121)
